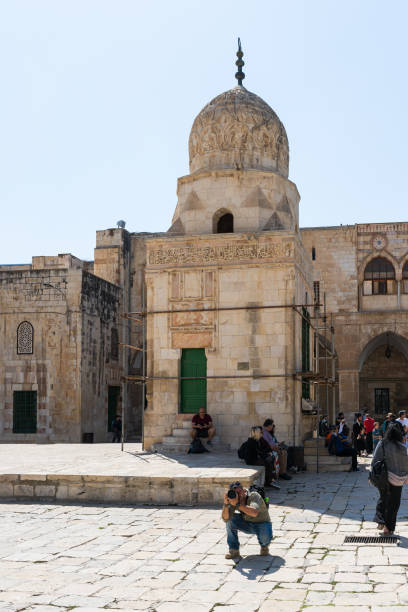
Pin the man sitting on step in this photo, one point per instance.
(203, 426)
(340, 446)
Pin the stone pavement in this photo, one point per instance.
(56, 557)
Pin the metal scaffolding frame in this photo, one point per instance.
(323, 337)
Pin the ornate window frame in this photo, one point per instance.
(379, 282)
(25, 346)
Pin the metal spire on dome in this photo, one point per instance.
(240, 76)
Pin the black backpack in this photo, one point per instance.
(197, 446)
(242, 451)
(261, 492)
(378, 475)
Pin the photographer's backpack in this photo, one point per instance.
(197, 446)
(261, 492)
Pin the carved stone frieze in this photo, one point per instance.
(220, 253)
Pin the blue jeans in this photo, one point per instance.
(263, 531)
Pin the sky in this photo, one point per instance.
(98, 98)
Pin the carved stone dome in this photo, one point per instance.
(237, 129)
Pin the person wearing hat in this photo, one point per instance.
(245, 511)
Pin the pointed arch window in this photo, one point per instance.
(225, 224)
(379, 277)
(405, 278)
(25, 338)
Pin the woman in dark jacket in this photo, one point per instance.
(395, 452)
(258, 452)
(358, 435)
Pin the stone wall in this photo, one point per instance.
(100, 360)
(71, 313)
(49, 300)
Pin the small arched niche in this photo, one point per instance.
(223, 222)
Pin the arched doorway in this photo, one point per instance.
(383, 384)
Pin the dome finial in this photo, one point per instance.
(240, 76)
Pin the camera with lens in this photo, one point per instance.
(231, 493)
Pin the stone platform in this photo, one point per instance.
(102, 473)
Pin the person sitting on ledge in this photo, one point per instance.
(256, 451)
(203, 426)
(269, 435)
(340, 446)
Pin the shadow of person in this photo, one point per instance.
(255, 566)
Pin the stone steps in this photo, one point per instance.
(317, 457)
(180, 439)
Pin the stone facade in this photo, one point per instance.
(57, 322)
(228, 274)
(364, 323)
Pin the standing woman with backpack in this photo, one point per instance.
(394, 453)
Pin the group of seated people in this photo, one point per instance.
(263, 448)
(365, 434)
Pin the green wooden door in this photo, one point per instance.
(193, 392)
(113, 404)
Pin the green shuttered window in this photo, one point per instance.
(305, 352)
(25, 412)
(113, 404)
(193, 392)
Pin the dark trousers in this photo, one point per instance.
(388, 506)
(349, 452)
(116, 436)
(369, 442)
(269, 463)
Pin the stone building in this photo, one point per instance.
(59, 361)
(233, 297)
(363, 270)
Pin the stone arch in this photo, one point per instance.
(383, 375)
(391, 338)
(223, 221)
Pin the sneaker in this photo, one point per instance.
(356, 470)
(285, 476)
(275, 486)
(264, 551)
(233, 554)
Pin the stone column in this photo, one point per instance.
(349, 381)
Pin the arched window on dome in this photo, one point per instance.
(379, 277)
(405, 278)
(25, 338)
(223, 222)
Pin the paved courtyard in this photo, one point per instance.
(56, 557)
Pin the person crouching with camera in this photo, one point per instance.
(245, 511)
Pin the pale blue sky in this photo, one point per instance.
(98, 98)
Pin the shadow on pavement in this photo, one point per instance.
(254, 566)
